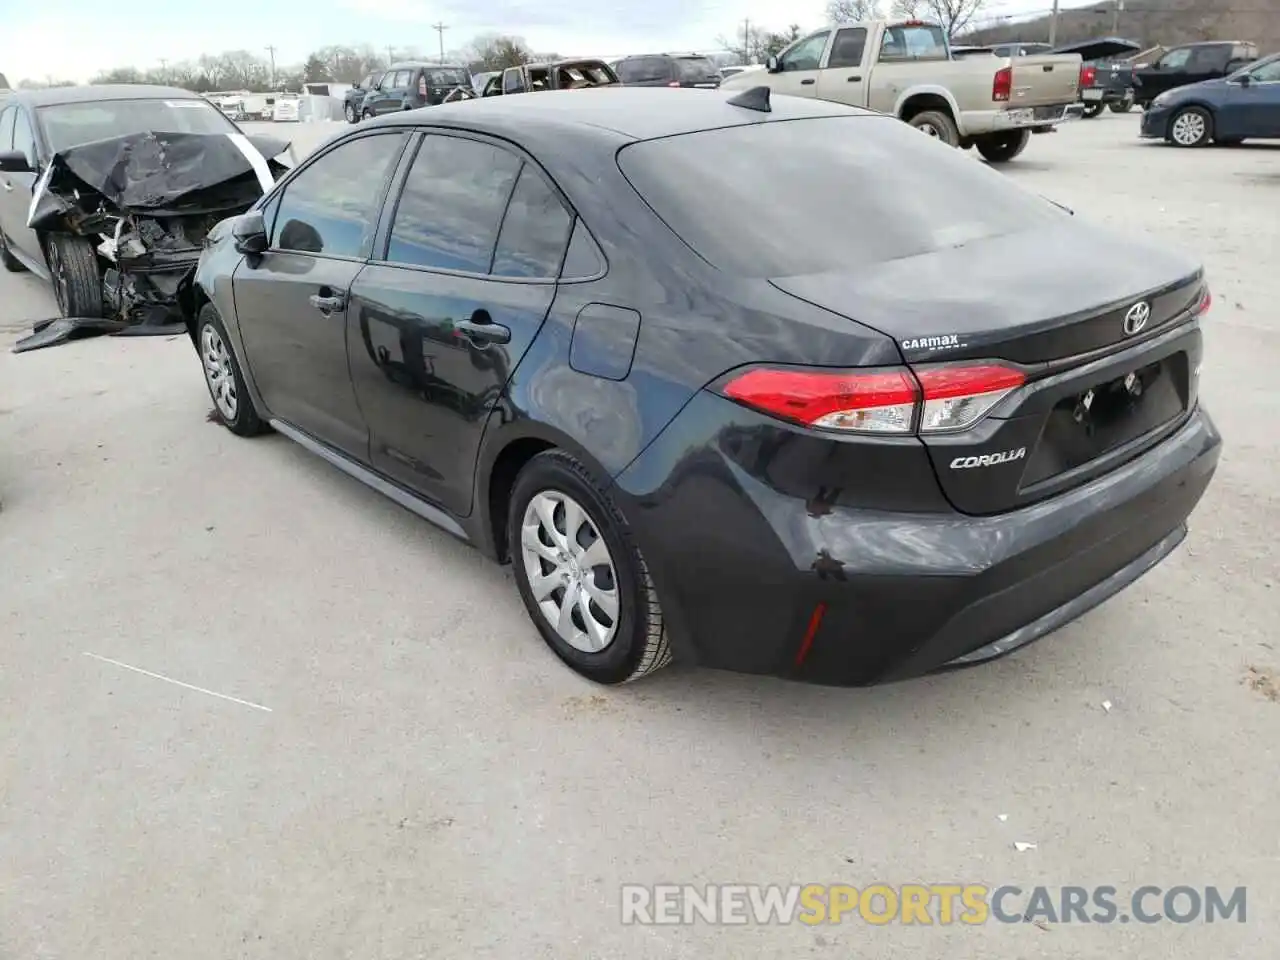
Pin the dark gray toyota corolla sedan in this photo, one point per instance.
(776, 387)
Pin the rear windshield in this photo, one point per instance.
(696, 69)
(639, 69)
(585, 73)
(69, 125)
(787, 198)
(446, 78)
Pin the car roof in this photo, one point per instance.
(401, 64)
(637, 113)
(108, 91)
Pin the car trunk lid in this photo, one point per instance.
(1059, 306)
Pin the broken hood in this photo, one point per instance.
(159, 174)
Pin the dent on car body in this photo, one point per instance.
(147, 201)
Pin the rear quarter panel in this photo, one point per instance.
(965, 83)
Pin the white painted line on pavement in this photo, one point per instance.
(148, 673)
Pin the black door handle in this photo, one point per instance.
(481, 329)
(856, 78)
(328, 303)
(806, 83)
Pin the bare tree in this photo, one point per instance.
(908, 9)
(844, 11)
(953, 15)
(497, 52)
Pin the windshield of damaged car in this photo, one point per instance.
(68, 125)
(810, 196)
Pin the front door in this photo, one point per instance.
(292, 302)
(844, 80)
(16, 189)
(798, 66)
(438, 325)
(1261, 102)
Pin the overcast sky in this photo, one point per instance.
(74, 39)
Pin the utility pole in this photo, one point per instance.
(164, 68)
(440, 28)
(272, 50)
(391, 56)
(1053, 25)
(746, 41)
(1115, 17)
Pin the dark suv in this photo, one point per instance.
(668, 70)
(1190, 63)
(407, 86)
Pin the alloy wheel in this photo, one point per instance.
(218, 372)
(570, 571)
(929, 130)
(1188, 129)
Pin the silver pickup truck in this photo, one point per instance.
(906, 68)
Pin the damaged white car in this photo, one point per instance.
(108, 193)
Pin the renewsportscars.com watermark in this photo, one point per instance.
(927, 904)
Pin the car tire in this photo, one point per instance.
(232, 404)
(1190, 127)
(1091, 110)
(553, 565)
(73, 268)
(11, 263)
(935, 123)
(352, 115)
(1122, 106)
(1003, 147)
(366, 114)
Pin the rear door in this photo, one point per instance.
(844, 77)
(291, 305)
(800, 64)
(1258, 104)
(473, 247)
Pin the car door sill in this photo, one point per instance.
(411, 502)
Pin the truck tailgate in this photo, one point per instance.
(1041, 80)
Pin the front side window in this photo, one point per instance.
(331, 207)
(6, 128)
(806, 55)
(24, 139)
(448, 215)
(513, 81)
(534, 232)
(1176, 59)
(1267, 73)
(402, 79)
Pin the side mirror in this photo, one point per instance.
(250, 233)
(1245, 79)
(14, 161)
(772, 65)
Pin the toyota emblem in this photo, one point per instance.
(1137, 318)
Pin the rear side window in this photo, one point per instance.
(696, 69)
(848, 48)
(916, 42)
(1210, 58)
(535, 230)
(810, 196)
(513, 81)
(452, 204)
(331, 207)
(641, 69)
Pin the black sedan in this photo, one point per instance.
(781, 387)
(1230, 110)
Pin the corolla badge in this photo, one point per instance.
(1137, 318)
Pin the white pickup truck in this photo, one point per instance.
(906, 68)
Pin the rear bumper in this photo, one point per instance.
(979, 122)
(756, 581)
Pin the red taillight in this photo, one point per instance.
(870, 401)
(1204, 303)
(1002, 85)
(931, 399)
(1088, 76)
(422, 86)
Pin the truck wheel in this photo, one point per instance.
(1003, 147)
(73, 266)
(935, 123)
(1191, 127)
(1122, 106)
(1091, 110)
